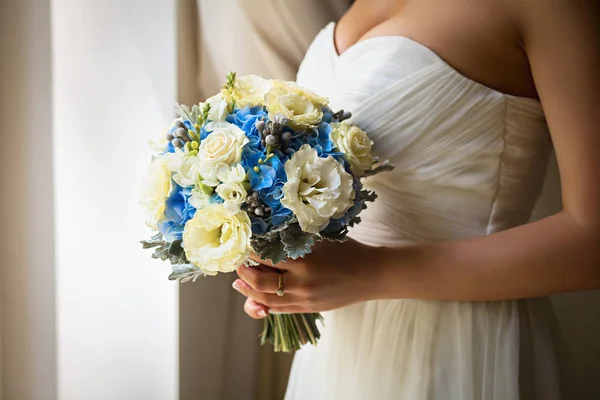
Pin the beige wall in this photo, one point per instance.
(578, 316)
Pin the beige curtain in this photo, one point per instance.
(220, 357)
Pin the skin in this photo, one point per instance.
(544, 49)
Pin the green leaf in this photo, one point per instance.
(185, 272)
(270, 250)
(296, 242)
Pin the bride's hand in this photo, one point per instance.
(332, 276)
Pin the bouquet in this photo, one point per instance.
(265, 166)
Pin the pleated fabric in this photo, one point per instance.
(470, 161)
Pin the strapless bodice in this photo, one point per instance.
(469, 159)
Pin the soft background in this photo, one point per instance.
(84, 313)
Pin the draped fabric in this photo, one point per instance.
(470, 161)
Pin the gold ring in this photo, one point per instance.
(280, 290)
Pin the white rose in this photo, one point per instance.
(317, 189)
(234, 195)
(250, 90)
(222, 146)
(217, 240)
(355, 144)
(155, 189)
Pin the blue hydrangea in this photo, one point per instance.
(178, 211)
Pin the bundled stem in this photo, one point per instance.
(289, 332)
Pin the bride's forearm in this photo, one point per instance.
(550, 256)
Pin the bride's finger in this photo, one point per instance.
(255, 310)
(269, 300)
(264, 280)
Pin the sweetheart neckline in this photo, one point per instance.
(361, 43)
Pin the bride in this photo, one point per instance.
(440, 294)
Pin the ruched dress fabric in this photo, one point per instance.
(470, 161)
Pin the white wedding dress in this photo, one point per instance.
(470, 161)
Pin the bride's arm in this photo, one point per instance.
(562, 252)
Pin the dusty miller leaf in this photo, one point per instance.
(184, 273)
(176, 253)
(184, 112)
(270, 250)
(274, 234)
(297, 243)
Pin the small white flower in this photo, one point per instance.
(216, 239)
(234, 195)
(250, 90)
(199, 198)
(231, 174)
(155, 189)
(355, 144)
(317, 189)
(219, 109)
(186, 168)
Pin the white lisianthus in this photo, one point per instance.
(216, 239)
(234, 195)
(302, 108)
(222, 148)
(317, 189)
(293, 87)
(219, 109)
(355, 144)
(250, 90)
(155, 189)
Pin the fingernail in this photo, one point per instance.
(236, 285)
(262, 313)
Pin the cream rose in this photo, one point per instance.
(222, 147)
(216, 239)
(302, 108)
(355, 144)
(154, 190)
(317, 189)
(250, 90)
